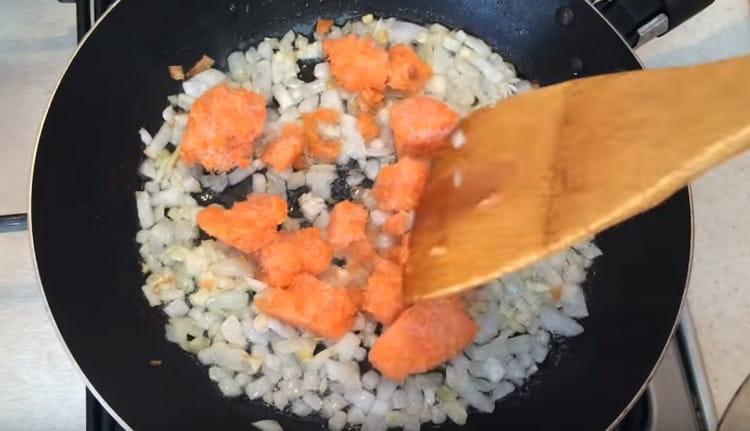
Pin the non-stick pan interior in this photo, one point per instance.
(84, 219)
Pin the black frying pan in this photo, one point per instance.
(84, 218)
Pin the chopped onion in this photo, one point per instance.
(322, 71)
(261, 80)
(268, 425)
(158, 142)
(143, 206)
(199, 83)
(403, 31)
(239, 66)
(282, 96)
(331, 99)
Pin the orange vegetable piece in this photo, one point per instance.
(357, 63)
(282, 152)
(221, 128)
(315, 253)
(367, 126)
(356, 295)
(279, 262)
(369, 100)
(421, 125)
(398, 187)
(360, 256)
(301, 164)
(302, 251)
(403, 251)
(360, 259)
(249, 225)
(361, 251)
(311, 304)
(323, 26)
(384, 295)
(347, 225)
(321, 149)
(323, 115)
(269, 208)
(406, 71)
(397, 224)
(423, 337)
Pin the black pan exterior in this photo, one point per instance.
(84, 218)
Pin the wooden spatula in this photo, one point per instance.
(545, 169)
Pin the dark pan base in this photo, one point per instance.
(84, 220)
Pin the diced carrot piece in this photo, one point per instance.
(302, 251)
(369, 100)
(360, 257)
(357, 296)
(301, 164)
(249, 225)
(398, 223)
(266, 208)
(282, 152)
(360, 252)
(357, 63)
(347, 225)
(321, 149)
(311, 304)
(324, 115)
(403, 253)
(367, 126)
(384, 295)
(221, 128)
(406, 71)
(398, 187)
(421, 125)
(315, 253)
(279, 263)
(423, 337)
(323, 26)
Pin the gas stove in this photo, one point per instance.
(678, 396)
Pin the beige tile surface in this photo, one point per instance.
(719, 295)
(39, 387)
(36, 39)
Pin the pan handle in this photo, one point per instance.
(86, 15)
(639, 21)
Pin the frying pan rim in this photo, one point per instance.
(120, 420)
(29, 218)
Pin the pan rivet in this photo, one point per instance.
(564, 16)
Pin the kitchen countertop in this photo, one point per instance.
(719, 292)
(36, 39)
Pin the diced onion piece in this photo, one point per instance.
(143, 206)
(268, 425)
